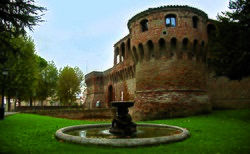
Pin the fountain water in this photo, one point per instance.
(123, 132)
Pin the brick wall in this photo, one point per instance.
(226, 94)
(80, 114)
(170, 88)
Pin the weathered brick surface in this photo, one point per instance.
(226, 94)
(170, 75)
(168, 104)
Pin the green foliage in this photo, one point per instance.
(22, 68)
(69, 84)
(47, 79)
(16, 49)
(220, 132)
(16, 15)
(229, 47)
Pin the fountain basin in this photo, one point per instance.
(127, 141)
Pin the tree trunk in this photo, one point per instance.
(31, 101)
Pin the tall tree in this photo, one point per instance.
(229, 47)
(47, 80)
(22, 68)
(69, 84)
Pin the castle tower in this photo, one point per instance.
(95, 90)
(168, 46)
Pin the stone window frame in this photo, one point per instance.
(170, 17)
(144, 25)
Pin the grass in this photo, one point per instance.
(217, 133)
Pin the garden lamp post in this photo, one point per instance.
(4, 73)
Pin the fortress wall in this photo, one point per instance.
(121, 79)
(92, 99)
(128, 89)
(170, 88)
(226, 94)
(170, 75)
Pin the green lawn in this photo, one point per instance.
(221, 132)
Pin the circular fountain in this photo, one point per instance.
(122, 131)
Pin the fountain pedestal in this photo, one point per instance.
(122, 124)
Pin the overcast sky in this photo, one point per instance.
(82, 33)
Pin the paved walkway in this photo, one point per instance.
(9, 113)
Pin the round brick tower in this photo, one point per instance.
(168, 47)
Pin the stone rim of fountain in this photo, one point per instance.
(60, 134)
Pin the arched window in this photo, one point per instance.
(170, 20)
(195, 21)
(144, 25)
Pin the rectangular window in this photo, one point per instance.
(170, 21)
(144, 25)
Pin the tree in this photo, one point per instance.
(22, 68)
(229, 46)
(69, 84)
(15, 16)
(47, 79)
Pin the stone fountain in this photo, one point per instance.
(122, 124)
(123, 132)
